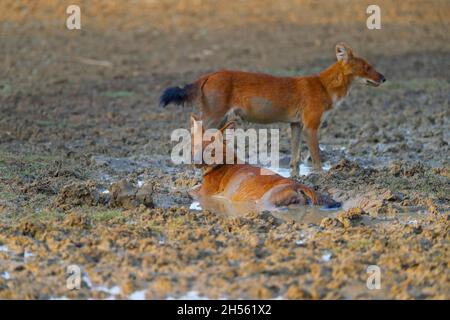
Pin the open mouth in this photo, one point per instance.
(372, 83)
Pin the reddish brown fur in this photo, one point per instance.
(246, 183)
(300, 101)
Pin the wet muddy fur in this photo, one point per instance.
(244, 182)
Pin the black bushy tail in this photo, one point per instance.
(177, 95)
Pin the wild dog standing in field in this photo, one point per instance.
(262, 98)
(247, 183)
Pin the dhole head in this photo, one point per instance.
(212, 135)
(358, 67)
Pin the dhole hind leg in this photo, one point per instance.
(288, 195)
(286, 198)
(296, 131)
(313, 145)
(215, 121)
(213, 116)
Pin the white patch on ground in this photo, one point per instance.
(59, 298)
(195, 206)
(137, 295)
(5, 275)
(27, 254)
(304, 170)
(326, 256)
(113, 291)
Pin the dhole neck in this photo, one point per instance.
(211, 168)
(337, 80)
(207, 170)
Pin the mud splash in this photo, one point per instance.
(347, 216)
(221, 206)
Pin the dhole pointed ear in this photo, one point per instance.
(194, 122)
(229, 125)
(343, 52)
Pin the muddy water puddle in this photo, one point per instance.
(304, 214)
(310, 215)
(315, 214)
(304, 170)
(135, 171)
(301, 214)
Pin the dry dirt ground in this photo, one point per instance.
(86, 177)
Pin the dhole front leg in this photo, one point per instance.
(313, 145)
(296, 131)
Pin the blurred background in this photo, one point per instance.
(141, 37)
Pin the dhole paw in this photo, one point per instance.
(333, 205)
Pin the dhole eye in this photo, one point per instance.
(366, 68)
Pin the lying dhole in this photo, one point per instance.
(247, 183)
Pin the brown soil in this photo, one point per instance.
(86, 176)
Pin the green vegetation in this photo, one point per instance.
(5, 89)
(104, 215)
(12, 166)
(6, 194)
(118, 94)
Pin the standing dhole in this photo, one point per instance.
(262, 98)
(239, 183)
